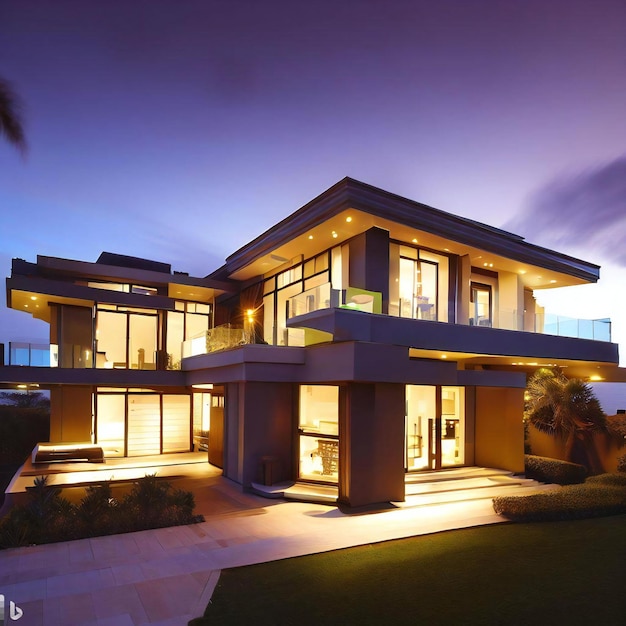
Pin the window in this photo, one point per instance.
(318, 427)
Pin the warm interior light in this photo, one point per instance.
(552, 282)
(595, 378)
(444, 356)
(522, 272)
(33, 297)
(310, 236)
(414, 240)
(348, 219)
(334, 235)
(250, 314)
(22, 386)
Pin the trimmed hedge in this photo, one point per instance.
(49, 517)
(548, 470)
(599, 496)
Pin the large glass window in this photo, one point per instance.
(176, 411)
(318, 428)
(144, 424)
(111, 333)
(191, 319)
(136, 422)
(418, 283)
(142, 341)
(111, 419)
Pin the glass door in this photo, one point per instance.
(435, 427)
(480, 305)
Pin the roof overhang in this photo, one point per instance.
(351, 207)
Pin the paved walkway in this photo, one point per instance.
(165, 577)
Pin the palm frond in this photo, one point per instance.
(11, 116)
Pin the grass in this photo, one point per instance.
(541, 573)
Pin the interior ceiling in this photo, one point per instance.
(586, 370)
(352, 222)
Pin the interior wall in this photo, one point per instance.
(499, 428)
(70, 414)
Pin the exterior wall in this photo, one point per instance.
(499, 429)
(369, 263)
(259, 423)
(511, 300)
(463, 290)
(70, 414)
(543, 444)
(530, 305)
(371, 443)
(216, 436)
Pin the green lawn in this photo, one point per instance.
(558, 573)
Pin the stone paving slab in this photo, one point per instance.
(165, 577)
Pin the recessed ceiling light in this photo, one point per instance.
(414, 240)
(552, 281)
(334, 235)
(444, 356)
(348, 219)
(522, 272)
(33, 297)
(310, 236)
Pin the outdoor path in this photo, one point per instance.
(166, 576)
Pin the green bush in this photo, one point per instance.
(49, 517)
(555, 471)
(598, 496)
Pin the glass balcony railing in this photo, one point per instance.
(30, 354)
(597, 330)
(216, 339)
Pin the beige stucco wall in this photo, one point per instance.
(543, 444)
(70, 414)
(499, 429)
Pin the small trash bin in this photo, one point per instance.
(269, 470)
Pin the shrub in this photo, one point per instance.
(49, 517)
(553, 470)
(598, 496)
(621, 463)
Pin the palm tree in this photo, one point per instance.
(10, 116)
(566, 408)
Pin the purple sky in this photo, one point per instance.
(179, 130)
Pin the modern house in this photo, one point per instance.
(364, 336)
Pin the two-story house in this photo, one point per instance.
(362, 337)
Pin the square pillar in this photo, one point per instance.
(371, 443)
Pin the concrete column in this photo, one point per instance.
(260, 425)
(371, 443)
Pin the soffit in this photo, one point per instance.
(349, 223)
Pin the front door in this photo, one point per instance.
(435, 427)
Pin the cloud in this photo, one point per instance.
(586, 212)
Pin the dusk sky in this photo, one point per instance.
(178, 130)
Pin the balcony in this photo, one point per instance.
(216, 339)
(31, 354)
(597, 330)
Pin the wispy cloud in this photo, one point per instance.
(583, 212)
